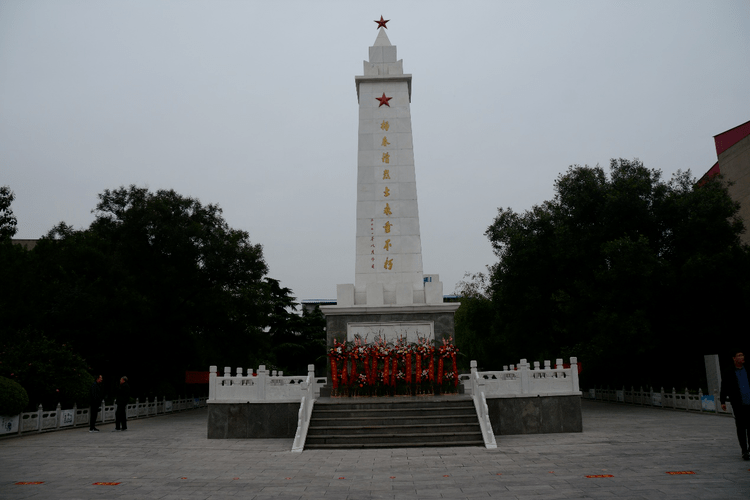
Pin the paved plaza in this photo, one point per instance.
(169, 457)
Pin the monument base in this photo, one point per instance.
(535, 414)
(433, 321)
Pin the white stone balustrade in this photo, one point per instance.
(522, 381)
(661, 399)
(50, 420)
(475, 387)
(305, 410)
(259, 386)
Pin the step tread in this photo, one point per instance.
(397, 435)
(423, 444)
(396, 410)
(369, 419)
(397, 426)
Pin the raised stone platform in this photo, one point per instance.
(513, 415)
(252, 420)
(535, 414)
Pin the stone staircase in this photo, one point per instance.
(394, 423)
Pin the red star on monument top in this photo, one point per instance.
(384, 100)
(381, 23)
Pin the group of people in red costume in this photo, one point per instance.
(383, 368)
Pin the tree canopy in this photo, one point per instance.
(157, 285)
(8, 221)
(622, 270)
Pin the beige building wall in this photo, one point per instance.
(734, 164)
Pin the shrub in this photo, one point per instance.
(13, 397)
(51, 372)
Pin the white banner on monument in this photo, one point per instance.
(391, 332)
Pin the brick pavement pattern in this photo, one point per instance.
(170, 458)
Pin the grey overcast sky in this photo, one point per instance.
(252, 106)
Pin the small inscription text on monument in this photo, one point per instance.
(390, 332)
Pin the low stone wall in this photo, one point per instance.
(252, 420)
(535, 414)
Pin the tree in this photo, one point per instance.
(8, 221)
(611, 270)
(50, 372)
(474, 320)
(158, 284)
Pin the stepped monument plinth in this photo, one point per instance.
(391, 297)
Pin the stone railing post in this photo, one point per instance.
(58, 416)
(523, 367)
(262, 380)
(39, 419)
(474, 377)
(313, 387)
(211, 385)
(574, 373)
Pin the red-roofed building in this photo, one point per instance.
(733, 151)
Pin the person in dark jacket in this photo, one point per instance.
(95, 399)
(123, 398)
(735, 386)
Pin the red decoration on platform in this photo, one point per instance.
(387, 369)
(381, 23)
(353, 376)
(193, 377)
(455, 369)
(334, 378)
(384, 100)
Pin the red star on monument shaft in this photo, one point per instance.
(384, 100)
(381, 23)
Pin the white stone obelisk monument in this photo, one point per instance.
(389, 281)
